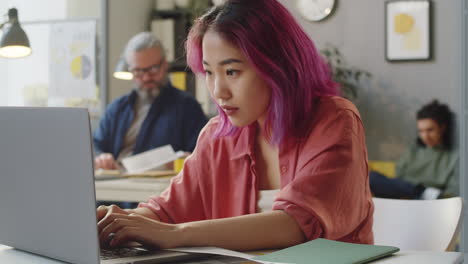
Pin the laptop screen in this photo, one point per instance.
(47, 196)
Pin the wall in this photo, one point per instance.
(389, 102)
(27, 11)
(13, 84)
(37, 10)
(125, 19)
(83, 9)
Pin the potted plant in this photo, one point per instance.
(349, 78)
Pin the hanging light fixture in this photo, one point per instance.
(121, 70)
(14, 42)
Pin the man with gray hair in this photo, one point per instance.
(153, 114)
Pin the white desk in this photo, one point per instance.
(131, 190)
(10, 255)
(423, 257)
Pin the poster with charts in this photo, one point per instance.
(72, 60)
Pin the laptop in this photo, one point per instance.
(47, 194)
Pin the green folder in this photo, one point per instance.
(324, 251)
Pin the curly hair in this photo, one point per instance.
(441, 114)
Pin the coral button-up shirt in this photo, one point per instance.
(324, 177)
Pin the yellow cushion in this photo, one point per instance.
(387, 168)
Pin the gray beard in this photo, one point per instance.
(147, 95)
(150, 94)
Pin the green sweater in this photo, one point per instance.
(434, 167)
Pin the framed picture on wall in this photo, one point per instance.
(408, 30)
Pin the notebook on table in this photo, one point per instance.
(47, 194)
(330, 252)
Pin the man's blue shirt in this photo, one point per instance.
(174, 118)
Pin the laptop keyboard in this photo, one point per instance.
(123, 253)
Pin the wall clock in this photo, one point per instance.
(315, 10)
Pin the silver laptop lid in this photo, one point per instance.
(47, 196)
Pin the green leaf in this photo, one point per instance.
(347, 77)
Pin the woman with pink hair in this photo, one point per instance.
(285, 160)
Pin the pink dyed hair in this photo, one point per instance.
(282, 54)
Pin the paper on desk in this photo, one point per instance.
(150, 159)
(223, 252)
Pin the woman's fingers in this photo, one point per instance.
(107, 232)
(140, 234)
(118, 229)
(101, 211)
(108, 217)
(113, 222)
(124, 235)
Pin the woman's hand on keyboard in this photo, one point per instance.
(117, 229)
(103, 210)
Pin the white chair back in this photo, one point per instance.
(427, 225)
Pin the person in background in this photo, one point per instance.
(428, 169)
(153, 114)
(285, 160)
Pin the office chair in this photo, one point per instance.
(426, 225)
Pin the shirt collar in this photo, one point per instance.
(244, 145)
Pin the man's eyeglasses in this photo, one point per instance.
(152, 70)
